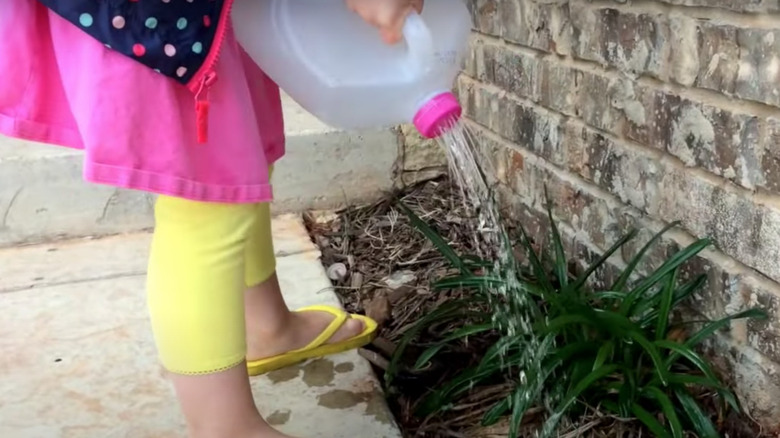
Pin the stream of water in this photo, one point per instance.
(511, 305)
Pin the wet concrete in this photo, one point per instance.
(77, 359)
(319, 373)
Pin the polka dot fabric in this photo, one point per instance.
(173, 37)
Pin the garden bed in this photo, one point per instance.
(382, 265)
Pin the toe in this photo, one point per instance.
(351, 328)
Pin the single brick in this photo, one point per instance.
(759, 67)
(631, 42)
(770, 160)
(515, 72)
(720, 55)
(558, 87)
(606, 102)
(474, 58)
(486, 16)
(681, 45)
(541, 26)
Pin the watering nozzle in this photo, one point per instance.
(437, 115)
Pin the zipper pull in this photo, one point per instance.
(202, 105)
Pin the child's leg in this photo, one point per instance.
(195, 292)
(271, 328)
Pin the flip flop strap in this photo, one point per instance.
(340, 317)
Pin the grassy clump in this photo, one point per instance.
(565, 345)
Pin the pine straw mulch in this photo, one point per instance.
(382, 266)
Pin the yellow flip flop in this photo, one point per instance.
(318, 347)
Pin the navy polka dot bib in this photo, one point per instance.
(177, 38)
(173, 37)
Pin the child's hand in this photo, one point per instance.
(388, 15)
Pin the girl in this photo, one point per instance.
(161, 98)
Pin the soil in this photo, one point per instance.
(382, 266)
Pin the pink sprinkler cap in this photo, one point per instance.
(437, 115)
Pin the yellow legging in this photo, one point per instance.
(203, 257)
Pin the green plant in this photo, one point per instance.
(565, 345)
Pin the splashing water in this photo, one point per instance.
(511, 304)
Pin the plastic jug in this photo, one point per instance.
(337, 67)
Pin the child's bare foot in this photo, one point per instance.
(273, 330)
(299, 331)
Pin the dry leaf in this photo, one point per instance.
(379, 308)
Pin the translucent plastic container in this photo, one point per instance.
(338, 68)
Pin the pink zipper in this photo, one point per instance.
(206, 76)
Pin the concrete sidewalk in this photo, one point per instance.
(77, 358)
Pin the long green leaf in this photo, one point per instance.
(477, 262)
(667, 296)
(611, 406)
(557, 324)
(445, 312)
(427, 355)
(605, 351)
(530, 288)
(706, 382)
(668, 409)
(655, 427)
(576, 371)
(654, 354)
(688, 379)
(582, 279)
(463, 332)
(713, 327)
(628, 393)
(670, 265)
(519, 407)
(682, 350)
(497, 412)
(567, 352)
(500, 348)
(607, 295)
(441, 398)
(575, 392)
(469, 330)
(536, 264)
(468, 281)
(680, 295)
(561, 267)
(444, 248)
(700, 421)
(621, 282)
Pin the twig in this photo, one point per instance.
(375, 358)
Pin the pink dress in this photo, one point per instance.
(137, 128)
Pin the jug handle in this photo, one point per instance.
(419, 42)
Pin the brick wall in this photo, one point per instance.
(635, 114)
